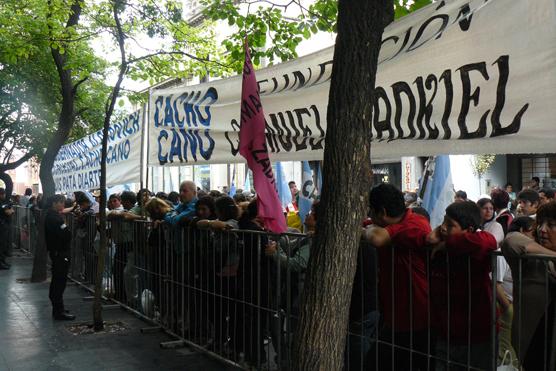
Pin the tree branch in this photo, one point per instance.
(4, 140)
(200, 59)
(8, 155)
(67, 88)
(75, 13)
(16, 164)
(74, 90)
(81, 111)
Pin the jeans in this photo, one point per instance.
(361, 337)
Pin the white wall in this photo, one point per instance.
(464, 179)
(218, 176)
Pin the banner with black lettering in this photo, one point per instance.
(455, 77)
(77, 165)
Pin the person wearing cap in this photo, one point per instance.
(96, 195)
(6, 212)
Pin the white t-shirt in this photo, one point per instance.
(116, 210)
(495, 228)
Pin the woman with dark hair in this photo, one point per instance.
(143, 196)
(533, 327)
(254, 287)
(201, 270)
(222, 261)
(157, 253)
(174, 198)
(162, 196)
(488, 222)
(503, 278)
(205, 209)
(227, 214)
(501, 202)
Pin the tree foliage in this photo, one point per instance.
(160, 44)
(62, 49)
(277, 27)
(30, 29)
(24, 113)
(481, 163)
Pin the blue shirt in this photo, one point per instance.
(181, 211)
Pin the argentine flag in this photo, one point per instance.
(247, 184)
(232, 191)
(307, 191)
(282, 187)
(438, 190)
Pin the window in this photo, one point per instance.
(542, 166)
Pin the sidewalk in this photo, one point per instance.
(31, 340)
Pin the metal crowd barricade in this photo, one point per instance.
(221, 293)
(23, 231)
(534, 283)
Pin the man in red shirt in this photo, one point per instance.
(461, 290)
(399, 236)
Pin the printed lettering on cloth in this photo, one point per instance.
(455, 77)
(252, 146)
(77, 165)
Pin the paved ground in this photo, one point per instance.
(31, 340)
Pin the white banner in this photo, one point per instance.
(449, 73)
(77, 166)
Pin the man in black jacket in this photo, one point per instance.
(58, 238)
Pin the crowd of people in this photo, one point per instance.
(519, 225)
(422, 299)
(27, 200)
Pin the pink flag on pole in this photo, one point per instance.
(252, 146)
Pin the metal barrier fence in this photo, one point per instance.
(23, 229)
(225, 293)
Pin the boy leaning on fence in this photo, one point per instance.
(461, 289)
(399, 236)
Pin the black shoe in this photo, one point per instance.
(4, 266)
(64, 317)
(65, 311)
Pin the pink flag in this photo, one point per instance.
(252, 146)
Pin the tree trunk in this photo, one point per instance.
(8, 183)
(6, 178)
(324, 314)
(98, 323)
(65, 123)
(39, 273)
